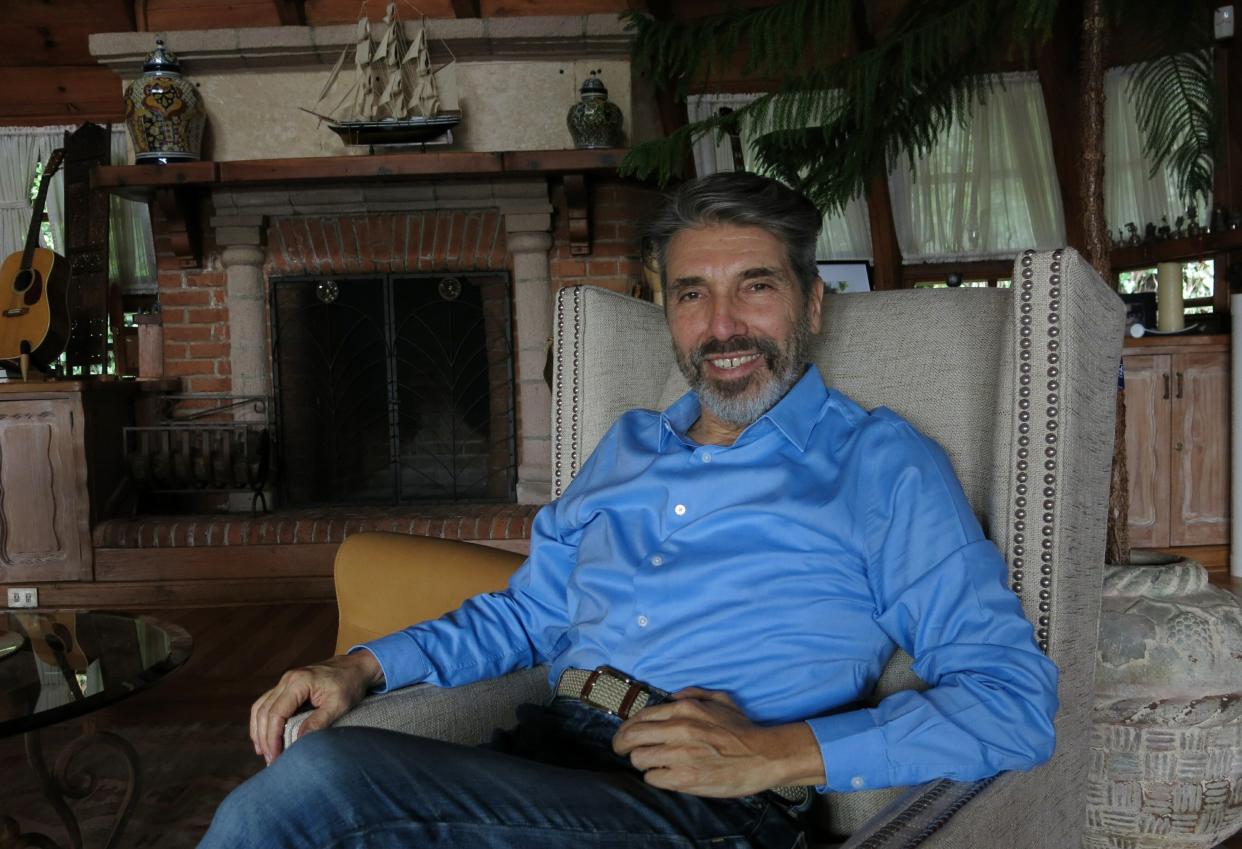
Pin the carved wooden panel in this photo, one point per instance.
(1199, 493)
(1148, 390)
(41, 492)
(86, 247)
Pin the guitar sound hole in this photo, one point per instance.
(23, 280)
(34, 292)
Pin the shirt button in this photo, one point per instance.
(857, 782)
(680, 509)
(642, 621)
(657, 560)
(707, 458)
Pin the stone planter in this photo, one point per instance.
(1166, 743)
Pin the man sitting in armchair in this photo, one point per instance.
(715, 592)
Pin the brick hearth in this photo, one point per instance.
(504, 525)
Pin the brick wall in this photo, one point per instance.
(194, 312)
(450, 240)
(617, 209)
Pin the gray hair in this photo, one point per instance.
(744, 199)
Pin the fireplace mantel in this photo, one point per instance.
(179, 188)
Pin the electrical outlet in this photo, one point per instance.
(1222, 22)
(23, 597)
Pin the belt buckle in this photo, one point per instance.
(589, 688)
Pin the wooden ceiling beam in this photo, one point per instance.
(292, 13)
(466, 9)
(1060, 83)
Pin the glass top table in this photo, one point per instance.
(60, 665)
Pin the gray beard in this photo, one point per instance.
(738, 402)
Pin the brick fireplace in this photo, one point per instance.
(217, 320)
(273, 217)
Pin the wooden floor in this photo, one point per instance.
(239, 652)
(190, 729)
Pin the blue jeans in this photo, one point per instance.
(553, 782)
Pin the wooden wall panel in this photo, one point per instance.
(60, 95)
(44, 34)
(211, 14)
(512, 8)
(328, 12)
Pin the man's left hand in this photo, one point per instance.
(702, 743)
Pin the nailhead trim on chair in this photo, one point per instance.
(561, 475)
(962, 792)
(1052, 411)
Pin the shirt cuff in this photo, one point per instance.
(852, 747)
(401, 659)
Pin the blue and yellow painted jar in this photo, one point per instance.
(164, 112)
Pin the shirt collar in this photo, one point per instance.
(794, 416)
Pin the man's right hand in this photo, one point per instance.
(332, 687)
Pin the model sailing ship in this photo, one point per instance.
(393, 97)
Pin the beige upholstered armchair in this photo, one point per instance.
(1017, 385)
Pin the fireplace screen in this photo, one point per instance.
(394, 388)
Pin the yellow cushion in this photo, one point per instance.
(385, 582)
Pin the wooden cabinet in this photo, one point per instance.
(1178, 441)
(60, 459)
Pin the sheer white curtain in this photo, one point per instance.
(988, 189)
(712, 154)
(131, 248)
(844, 236)
(21, 148)
(1130, 195)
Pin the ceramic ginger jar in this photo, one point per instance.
(594, 121)
(1166, 739)
(164, 112)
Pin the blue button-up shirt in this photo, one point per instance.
(783, 569)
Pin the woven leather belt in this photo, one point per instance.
(615, 693)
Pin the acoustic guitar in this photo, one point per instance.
(34, 291)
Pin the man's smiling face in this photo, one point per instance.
(739, 321)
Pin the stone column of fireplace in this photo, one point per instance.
(529, 241)
(248, 344)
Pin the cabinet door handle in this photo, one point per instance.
(1178, 446)
(1166, 386)
(1179, 384)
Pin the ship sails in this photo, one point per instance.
(393, 89)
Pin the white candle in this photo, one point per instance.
(1169, 307)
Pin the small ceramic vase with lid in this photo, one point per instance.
(164, 112)
(594, 122)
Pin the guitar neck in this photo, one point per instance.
(36, 215)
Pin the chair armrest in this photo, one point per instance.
(466, 715)
(385, 582)
(914, 816)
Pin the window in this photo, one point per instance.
(1198, 284)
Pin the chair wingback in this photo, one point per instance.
(1017, 385)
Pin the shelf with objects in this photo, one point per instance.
(179, 188)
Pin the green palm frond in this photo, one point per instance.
(680, 52)
(836, 122)
(841, 118)
(1176, 106)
